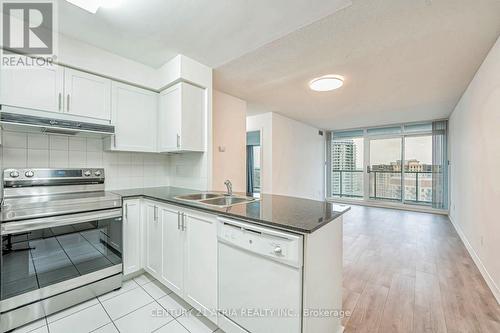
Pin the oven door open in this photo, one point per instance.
(45, 257)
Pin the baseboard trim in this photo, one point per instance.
(484, 272)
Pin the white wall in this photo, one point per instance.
(475, 166)
(123, 170)
(78, 54)
(229, 129)
(264, 123)
(75, 53)
(293, 156)
(298, 159)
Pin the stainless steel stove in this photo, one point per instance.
(61, 242)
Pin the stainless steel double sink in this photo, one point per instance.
(216, 199)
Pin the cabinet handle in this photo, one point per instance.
(60, 101)
(178, 221)
(178, 141)
(156, 214)
(183, 222)
(126, 211)
(67, 101)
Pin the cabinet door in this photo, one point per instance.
(33, 88)
(153, 240)
(200, 289)
(134, 114)
(193, 118)
(87, 95)
(131, 236)
(169, 124)
(173, 250)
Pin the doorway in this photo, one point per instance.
(254, 165)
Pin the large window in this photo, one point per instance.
(404, 163)
(347, 167)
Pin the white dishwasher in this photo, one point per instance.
(260, 279)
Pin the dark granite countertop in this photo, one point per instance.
(287, 213)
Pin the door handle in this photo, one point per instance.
(183, 222)
(67, 102)
(178, 141)
(178, 221)
(126, 211)
(155, 214)
(60, 101)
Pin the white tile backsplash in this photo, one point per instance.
(77, 159)
(14, 140)
(38, 141)
(58, 142)
(38, 158)
(78, 144)
(14, 157)
(58, 158)
(123, 170)
(94, 144)
(94, 159)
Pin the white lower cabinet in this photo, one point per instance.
(180, 250)
(172, 274)
(200, 261)
(153, 239)
(132, 241)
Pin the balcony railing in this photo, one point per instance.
(347, 183)
(416, 187)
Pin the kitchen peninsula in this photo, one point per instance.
(268, 254)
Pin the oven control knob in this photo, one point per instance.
(278, 251)
(14, 174)
(87, 173)
(29, 173)
(97, 173)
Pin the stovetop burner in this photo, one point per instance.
(35, 193)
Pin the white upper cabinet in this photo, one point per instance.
(134, 113)
(181, 123)
(87, 95)
(57, 89)
(33, 88)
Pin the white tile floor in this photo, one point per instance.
(142, 305)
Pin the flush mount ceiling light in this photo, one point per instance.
(93, 6)
(327, 83)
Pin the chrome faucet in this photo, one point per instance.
(229, 186)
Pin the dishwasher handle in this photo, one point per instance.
(273, 244)
(258, 229)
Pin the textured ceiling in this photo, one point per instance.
(209, 31)
(403, 60)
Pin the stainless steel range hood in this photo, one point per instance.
(53, 125)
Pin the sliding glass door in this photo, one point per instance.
(405, 163)
(417, 169)
(385, 172)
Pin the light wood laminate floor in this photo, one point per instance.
(410, 272)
